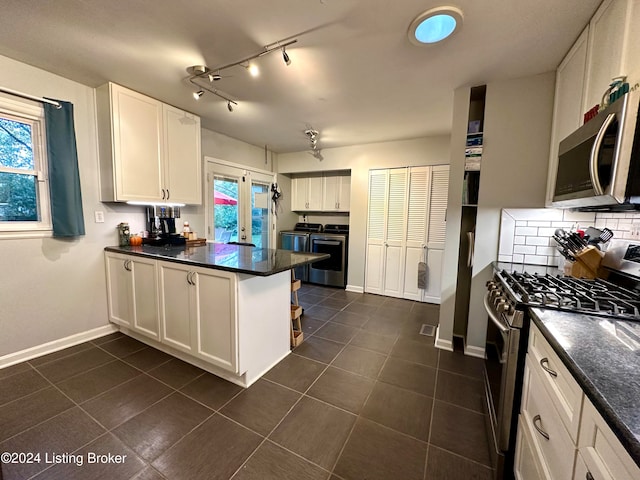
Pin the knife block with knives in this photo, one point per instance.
(587, 263)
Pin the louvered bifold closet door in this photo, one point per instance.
(416, 238)
(395, 242)
(436, 234)
(376, 227)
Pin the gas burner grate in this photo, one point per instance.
(597, 296)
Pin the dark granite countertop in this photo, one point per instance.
(603, 355)
(231, 258)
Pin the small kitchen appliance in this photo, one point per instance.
(161, 224)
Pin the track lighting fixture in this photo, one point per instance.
(313, 134)
(198, 94)
(202, 76)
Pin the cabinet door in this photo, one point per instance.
(395, 242)
(330, 193)
(183, 163)
(376, 226)
(137, 145)
(146, 319)
(607, 31)
(435, 260)
(344, 193)
(119, 291)
(315, 193)
(568, 108)
(527, 464)
(176, 299)
(299, 201)
(216, 320)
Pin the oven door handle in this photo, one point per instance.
(494, 318)
(326, 242)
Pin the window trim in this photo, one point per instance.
(33, 113)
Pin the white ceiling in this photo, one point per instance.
(354, 75)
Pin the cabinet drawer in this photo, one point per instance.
(603, 455)
(527, 464)
(564, 391)
(548, 433)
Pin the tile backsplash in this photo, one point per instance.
(526, 234)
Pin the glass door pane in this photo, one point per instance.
(260, 223)
(226, 209)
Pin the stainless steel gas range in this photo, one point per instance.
(515, 288)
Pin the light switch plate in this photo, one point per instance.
(99, 216)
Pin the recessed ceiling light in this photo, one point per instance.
(435, 25)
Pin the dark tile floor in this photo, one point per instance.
(364, 397)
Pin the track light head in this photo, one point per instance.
(198, 94)
(229, 106)
(253, 69)
(285, 56)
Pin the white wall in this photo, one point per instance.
(50, 288)
(517, 128)
(360, 159)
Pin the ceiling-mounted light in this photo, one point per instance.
(285, 56)
(435, 25)
(229, 106)
(198, 94)
(253, 69)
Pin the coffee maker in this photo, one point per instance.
(161, 225)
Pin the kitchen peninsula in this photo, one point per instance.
(224, 308)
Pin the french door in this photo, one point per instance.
(239, 205)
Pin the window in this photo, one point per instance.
(24, 192)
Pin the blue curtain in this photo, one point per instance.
(64, 177)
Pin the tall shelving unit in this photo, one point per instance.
(470, 189)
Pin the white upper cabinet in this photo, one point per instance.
(321, 193)
(149, 151)
(336, 193)
(182, 164)
(609, 49)
(306, 194)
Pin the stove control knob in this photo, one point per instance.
(503, 306)
(491, 285)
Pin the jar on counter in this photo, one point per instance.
(123, 234)
(186, 230)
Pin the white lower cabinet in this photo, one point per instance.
(132, 293)
(198, 313)
(601, 452)
(528, 465)
(551, 439)
(554, 409)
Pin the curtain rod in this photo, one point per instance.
(29, 97)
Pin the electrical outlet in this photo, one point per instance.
(99, 216)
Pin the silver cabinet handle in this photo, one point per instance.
(163, 193)
(539, 429)
(168, 194)
(127, 265)
(543, 363)
(190, 278)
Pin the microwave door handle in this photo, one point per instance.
(595, 151)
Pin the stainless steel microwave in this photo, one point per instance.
(599, 164)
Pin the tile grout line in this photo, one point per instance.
(433, 409)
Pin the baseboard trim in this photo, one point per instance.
(354, 289)
(55, 345)
(443, 344)
(472, 351)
